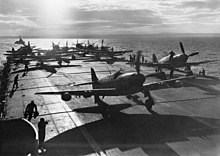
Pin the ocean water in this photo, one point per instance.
(208, 47)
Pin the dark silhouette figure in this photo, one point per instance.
(31, 110)
(203, 72)
(142, 58)
(15, 82)
(26, 67)
(41, 132)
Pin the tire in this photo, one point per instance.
(148, 105)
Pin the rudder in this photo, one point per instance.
(154, 58)
(93, 75)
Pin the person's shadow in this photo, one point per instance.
(12, 92)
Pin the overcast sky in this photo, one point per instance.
(75, 17)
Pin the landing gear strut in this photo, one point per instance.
(105, 111)
(149, 103)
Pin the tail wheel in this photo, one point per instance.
(105, 111)
(148, 104)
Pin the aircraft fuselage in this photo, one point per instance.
(178, 60)
(125, 83)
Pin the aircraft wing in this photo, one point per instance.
(165, 83)
(29, 69)
(159, 65)
(85, 93)
(113, 52)
(121, 52)
(168, 65)
(60, 66)
(55, 66)
(198, 63)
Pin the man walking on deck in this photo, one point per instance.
(31, 110)
(15, 82)
(41, 132)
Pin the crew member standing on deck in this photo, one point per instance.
(41, 132)
(15, 82)
(31, 110)
(26, 67)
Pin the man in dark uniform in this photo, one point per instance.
(30, 110)
(15, 82)
(41, 132)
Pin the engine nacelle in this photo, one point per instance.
(66, 96)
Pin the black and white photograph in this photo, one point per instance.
(110, 77)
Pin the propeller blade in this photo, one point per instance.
(182, 48)
(196, 53)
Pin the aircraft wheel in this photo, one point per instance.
(148, 105)
(105, 114)
(105, 111)
(128, 96)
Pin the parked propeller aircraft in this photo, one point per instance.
(108, 51)
(51, 56)
(96, 52)
(108, 60)
(47, 67)
(117, 84)
(23, 50)
(173, 61)
(20, 41)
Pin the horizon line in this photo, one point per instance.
(112, 35)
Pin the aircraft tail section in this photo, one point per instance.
(93, 74)
(154, 59)
(94, 80)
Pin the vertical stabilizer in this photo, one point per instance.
(93, 75)
(154, 59)
(94, 80)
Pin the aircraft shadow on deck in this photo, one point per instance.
(97, 109)
(150, 132)
(206, 83)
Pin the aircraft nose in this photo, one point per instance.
(141, 79)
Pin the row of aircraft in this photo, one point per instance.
(118, 83)
(175, 61)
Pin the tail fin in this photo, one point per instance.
(154, 59)
(94, 79)
(93, 75)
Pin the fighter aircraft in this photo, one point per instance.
(20, 41)
(95, 52)
(117, 84)
(23, 50)
(173, 61)
(108, 51)
(47, 67)
(108, 60)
